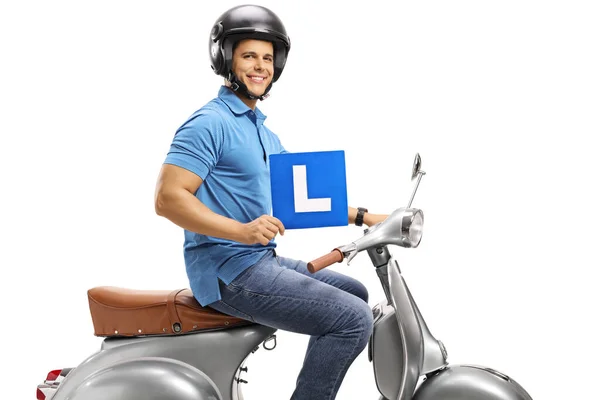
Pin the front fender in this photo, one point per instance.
(468, 382)
(145, 378)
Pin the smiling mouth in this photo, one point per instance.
(256, 79)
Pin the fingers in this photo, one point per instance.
(265, 228)
(270, 226)
(267, 233)
(276, 223)
(263, 240)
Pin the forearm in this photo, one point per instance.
(185, 210)
(373, 219)
(369, 219)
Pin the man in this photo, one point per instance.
(215, 184)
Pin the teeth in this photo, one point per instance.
(257, 78)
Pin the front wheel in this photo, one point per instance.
(470, 382)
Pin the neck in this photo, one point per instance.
(249, 102)
(246, 101)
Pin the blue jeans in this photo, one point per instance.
(330, 307)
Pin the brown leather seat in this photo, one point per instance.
(130, 298)
(128, 312)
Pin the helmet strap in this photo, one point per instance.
(240, 87)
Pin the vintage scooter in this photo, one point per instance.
(196, 353)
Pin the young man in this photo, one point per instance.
(215, 184)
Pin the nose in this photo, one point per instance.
(259, 66)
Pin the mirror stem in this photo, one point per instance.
(412, 197)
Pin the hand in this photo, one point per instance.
(262, 230)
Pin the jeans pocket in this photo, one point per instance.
(254, 275)
(225, 308)
(239, 281)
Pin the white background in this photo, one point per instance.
(501, 100)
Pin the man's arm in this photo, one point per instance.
(368, 218)
(175, 200)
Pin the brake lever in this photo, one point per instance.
(351, 256)
(349, 252)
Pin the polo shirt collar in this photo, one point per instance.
(236, 105)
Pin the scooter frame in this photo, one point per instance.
(408, 361)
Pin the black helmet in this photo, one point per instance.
(247, 22)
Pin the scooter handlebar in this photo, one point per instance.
(325, 261)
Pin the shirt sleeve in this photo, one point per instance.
(197, 145)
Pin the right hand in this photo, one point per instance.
(262, 230)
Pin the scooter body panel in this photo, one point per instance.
(216, 354)
(385, 351)
(466, 382)
(410, 333)
(147, 378)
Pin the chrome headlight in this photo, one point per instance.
(412, 227)
(403, 227)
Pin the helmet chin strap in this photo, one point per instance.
(240, 87)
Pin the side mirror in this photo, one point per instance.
(416, 167)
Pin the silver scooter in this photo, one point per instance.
(408, 362)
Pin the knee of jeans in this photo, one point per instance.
(364, 322)
(362, 292)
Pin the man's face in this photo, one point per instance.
(253, 64)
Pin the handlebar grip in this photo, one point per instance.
(325, 261)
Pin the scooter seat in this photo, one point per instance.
(128, 312)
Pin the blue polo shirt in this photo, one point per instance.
(227, 145)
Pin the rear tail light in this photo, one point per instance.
(52, 375)
(46, 390)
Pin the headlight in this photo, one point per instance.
(403, 227)
(412, 227)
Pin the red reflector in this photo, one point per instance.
(52, 375)
(40, 395)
